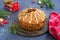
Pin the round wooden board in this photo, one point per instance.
(33, 33)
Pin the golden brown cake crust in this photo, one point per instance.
(31, 19)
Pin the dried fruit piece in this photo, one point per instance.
(33, 1)
(31, 9)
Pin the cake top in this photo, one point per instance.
(32, 15)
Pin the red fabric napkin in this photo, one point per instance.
(54, 25)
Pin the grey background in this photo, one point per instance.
(5, 35)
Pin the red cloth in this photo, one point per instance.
(54, 25)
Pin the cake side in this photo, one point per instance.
(31, 19)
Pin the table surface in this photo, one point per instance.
(5, 35)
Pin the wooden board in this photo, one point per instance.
(33, 33)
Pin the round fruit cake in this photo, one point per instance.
(31, 19)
